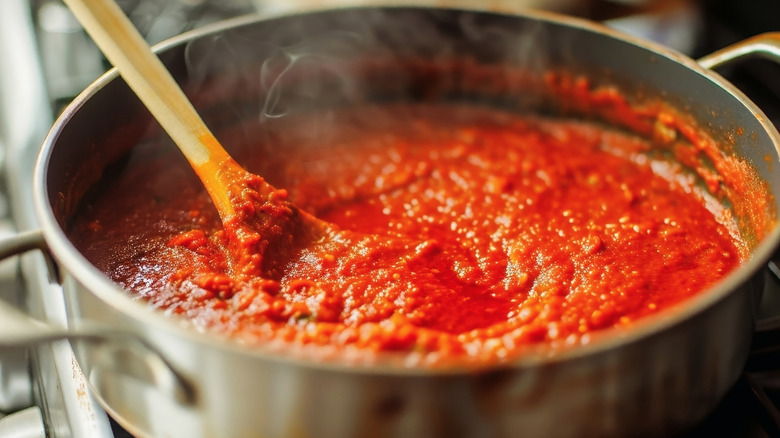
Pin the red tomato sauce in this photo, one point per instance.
(463, 232)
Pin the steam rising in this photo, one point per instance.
(321, 54)
(317, 62)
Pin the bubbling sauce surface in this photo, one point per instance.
(465, 232)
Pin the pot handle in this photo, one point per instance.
(766, 45)
(121, 352)
(27, 241)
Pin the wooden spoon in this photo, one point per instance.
(252, 211)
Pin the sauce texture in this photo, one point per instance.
(463, 232)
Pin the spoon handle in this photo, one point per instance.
(143, 71)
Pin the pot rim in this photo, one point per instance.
(100, 285)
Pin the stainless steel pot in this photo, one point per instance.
(158, 376)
